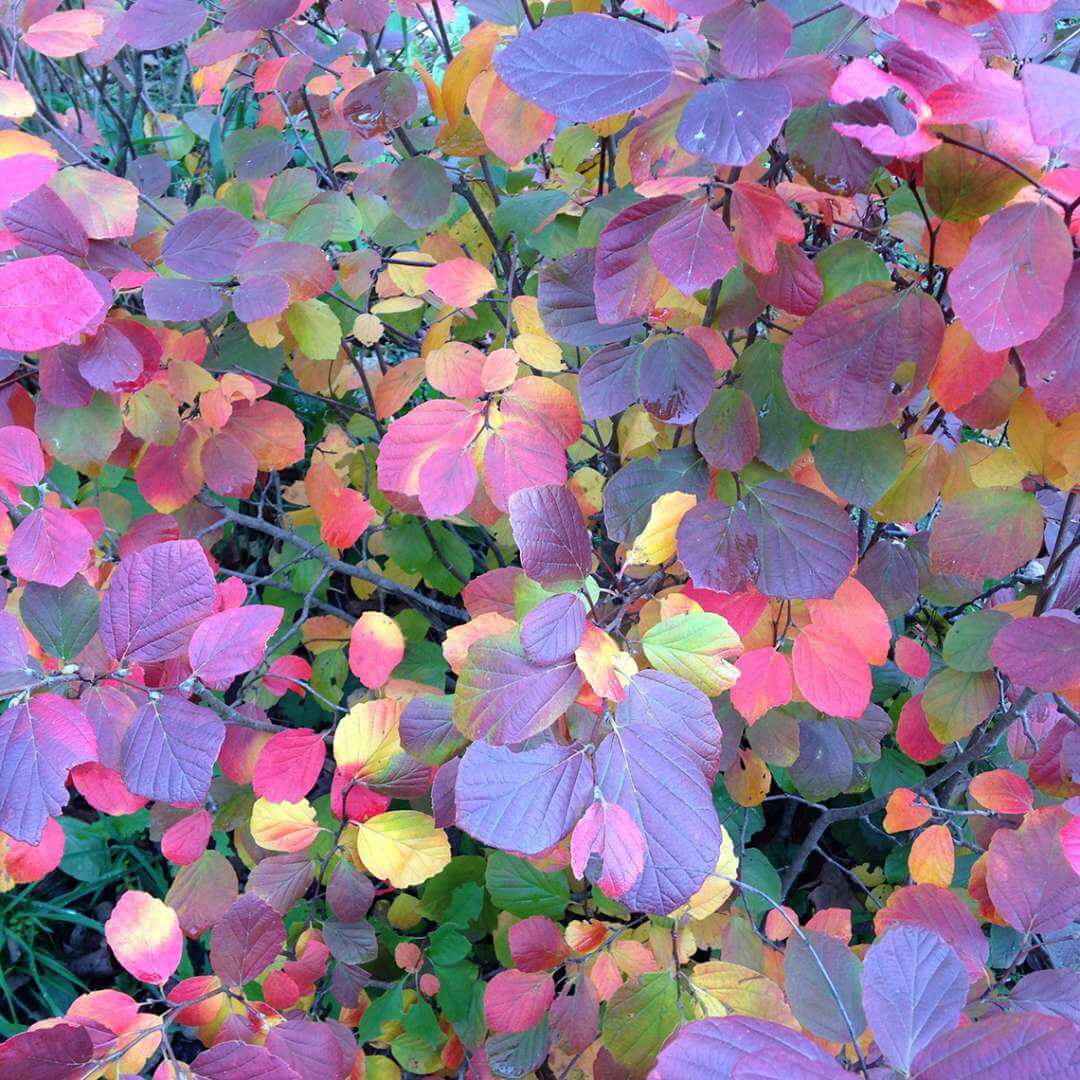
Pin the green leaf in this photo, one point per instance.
(967, 644)
(694, 646)
(518, 887)
(639, 1019)
(383, 1010)
(62, 619)
(847, 264)
(860, 466)
(316, 329)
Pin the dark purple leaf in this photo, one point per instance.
(170, 749)
(550, 533)
(807, 545)
(110, 358)
(209, 244)
(727, 431)
(60, 1052)
(718, 547)
(675, 378)
(841, 365)
(525, 800)
(607, 383)
(813, 1000)
(350, 942)
(180, 300)
(43, 221)
(914, 989)
(154, 601)
(349, 893)
(281, 880)
(40, 741)
(503, 697)
(567, 306)
(380, 104)
(17, 670)
(246, 941)
(730, 122)
(585, 67)
(631, 492)
(257, 14)
(553, 629)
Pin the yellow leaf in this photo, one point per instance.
(315, 327)
(402, 847)
(695, 646)
(283, 826)
(716, 890)
(367, 329)
(367, 737)
(656, 542)
(721, 988)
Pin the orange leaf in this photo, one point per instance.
(902, 812)
(1002, 791)
(932, 859)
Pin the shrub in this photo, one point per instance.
(541, 541)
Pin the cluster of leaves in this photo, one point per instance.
(557, 522)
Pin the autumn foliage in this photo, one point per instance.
(548, 533)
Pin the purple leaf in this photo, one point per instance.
(1028, 1045)
(17, 670)
(503, 697)
(840, 366)
(1054, 991)
(914, 989)
(231, 642)
(813, 1000)
(1042, 652)
(260, 297)
(62, 1051)
(553, 629)
(714, 1048)
(1052, 97)
(755, 40)
(43, 221)
(525, 800)
(40, 742)
(180, 300)
(1011, 282)
(246, 940)
(807, 545)
(154, 601)
(281, 880)
(170, 749)
(1052, 360)
(235, 1060)
(313, 1049)
(607, 383)
(718, 547)
(257, 14)
(567, 305)
(550, 532)
(727, 431)
(427, 729)
(730, 122)
(695, 248)
(652, 765)
(586, 67)
(349, 893)
(209, 244)
(110, 358)
(152, 24)
(675, 378)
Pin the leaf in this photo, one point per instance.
(841, 364)
(810, 965)
(231, 642)
(967, 644)
(550, 533)
(21, 460)
(402, 847)
(727, 431)
(608, 848)
(986, 533)
(169, 750)
(661, 780)
(806, 544)
(656, 543)
(460, 282)
(674, 378)
(755, 41)
(764, 683)
(61, 1051)
(153, 24)
(630, 494)
(730, 122)
(154, 601)
(623, 68)
(180, 300)
(639, 1018)
(183, 842)
(515, 1001)
(520, 888)
(956, 702)
(106, 205)
(914, 989)
(694, 248)
(208, 244)
(45, 301)
(246, 941)
(289, 765)
(524, 800)
(64, 33)
(503, 697)
(1000, 1047)
(718, 547)
(145, 937)
(315, 327)
(284, 826)
(554, 629)
(715, 1046)
(860, 466)
(1011, 282)
(537, 944)
(49, 546)
(202, 892)
(420, 192)
(932, 859)
(831, 673)
(282, 880)
(1002, 791)
(1030, 881)
(694, 646)
(376, 647)
(40, 741)
(513, 128)
(1041, 652)
(235, 1060)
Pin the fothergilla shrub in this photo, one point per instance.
(540, 541)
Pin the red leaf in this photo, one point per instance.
(186, 840)
(517, 1000)
(537, 944)
(764, 683)
(288, 765)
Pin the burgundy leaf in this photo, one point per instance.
(550, 532)
(553, 629)
(246, 941)
(675, 378)
(718, 547)
(727, 431)
(695, 248)
(235, 1060)
(61, 1051)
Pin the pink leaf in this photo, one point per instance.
(231, 642)
(288, 765)
(608, 834)
(517, 1000)
(50, 546)
(43, 302)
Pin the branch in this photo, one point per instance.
(410, 596)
